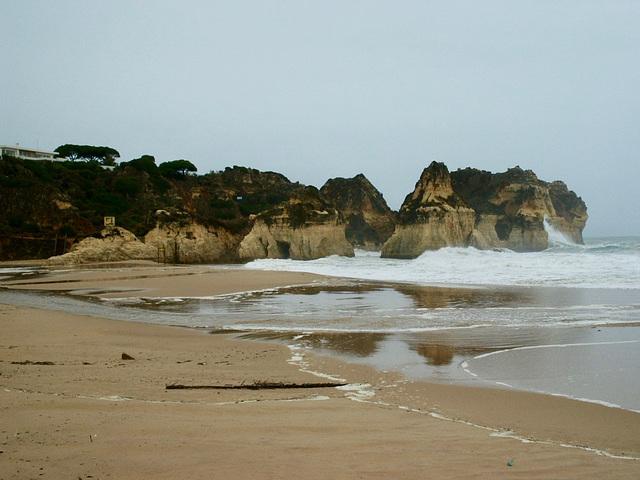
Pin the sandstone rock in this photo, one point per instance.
(304, 228)
(477, 208)
(432, 216)
(186, 241)
(571, 212)
(113, 244)
(511, 208)
(370, 221)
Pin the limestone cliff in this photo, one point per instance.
(183, 240)
(370, 221)
(432, 216)
(113, 244)
(304, 228)
(49, 206)
(478, 208)
(511, 208)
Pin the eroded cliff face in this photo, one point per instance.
(113, 244)
(511, 208)
(477, 208)
(571, 211)
(370, 221)
(240, 213)
(304, 228)
(180, 239)
(177, 238)
(432, 216)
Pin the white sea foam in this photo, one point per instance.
(564, 345)
(612, 263)
(555, 237)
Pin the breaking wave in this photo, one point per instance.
(600, 263)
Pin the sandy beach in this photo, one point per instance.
(73, 408)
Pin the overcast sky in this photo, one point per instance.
(322, 89)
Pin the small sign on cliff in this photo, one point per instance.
(109, 221)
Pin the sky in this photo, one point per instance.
(323, 89)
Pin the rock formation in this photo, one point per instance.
(370, 221)
(431, 217)
(113, 244)
(183, 240)
(304, 228)
(241, 213)
(477, 208)
(511, 208)
(177, 238)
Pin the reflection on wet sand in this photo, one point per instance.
(426, 297)
(359, 344)
(352, 286)
(433, 356)
(445, 297)
(436, 354)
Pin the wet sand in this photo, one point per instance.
(153, 280)
(73, 408)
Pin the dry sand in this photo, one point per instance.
(72, 408)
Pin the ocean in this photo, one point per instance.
(564, 321)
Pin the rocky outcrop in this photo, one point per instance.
(370, 221)
(113, 244)
(570, 211)
(304, 228)
(242, 213)
(176, 239)
(511, 208)
(477, 208)
(432, 216)
(183, 240)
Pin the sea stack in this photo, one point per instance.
(432, 216)
(370, 221)
(484, 210)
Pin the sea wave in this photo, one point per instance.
(601, 263)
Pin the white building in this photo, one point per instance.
(29, 153)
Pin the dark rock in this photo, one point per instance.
(370, 221)
(485, 210)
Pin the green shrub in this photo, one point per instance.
(127, 186)
(109, 204)
(41, 169)
(220, 203)
(224, 214)
(11, 182)
(161, 185)
(297, 215)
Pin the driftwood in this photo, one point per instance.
(29, 362)
(255, 386)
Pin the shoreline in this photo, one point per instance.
(159, 283)
(397, 415)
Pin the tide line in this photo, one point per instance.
(561, 345)
(364, 393)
